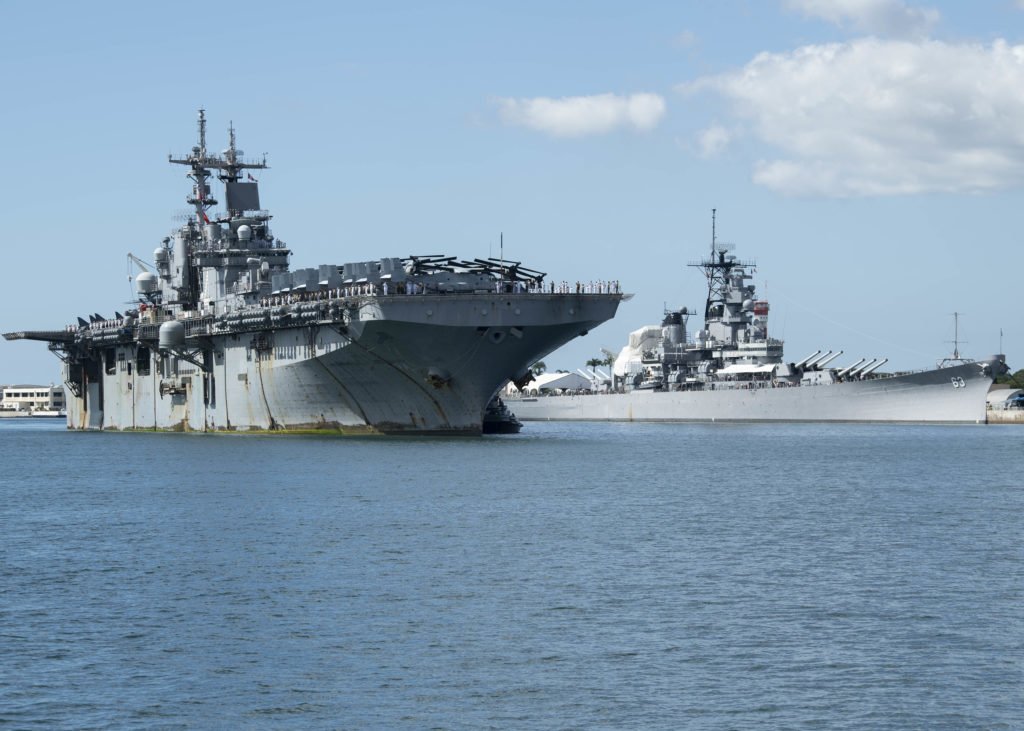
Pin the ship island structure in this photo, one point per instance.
(225, 336)
(731, 369)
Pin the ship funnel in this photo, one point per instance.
(804, 361)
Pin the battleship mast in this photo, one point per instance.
(717, 268)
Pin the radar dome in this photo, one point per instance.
(145, 283)
(244, 232)
(172, 335)
(159, 255)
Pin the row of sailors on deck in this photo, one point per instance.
(536, 286)
(111, 324)
(532, 286)
(385, 288)
(352, 290)
(592, 287)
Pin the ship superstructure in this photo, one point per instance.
(733, 341)
(733, 370)
(226, 336)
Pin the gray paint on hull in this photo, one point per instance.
(927, 397)
(370, 375)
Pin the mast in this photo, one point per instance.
(956, 336)
(955, 359)
(232, 165)
(713, 212)
(717, 268)
(707, 272)
(200, 163)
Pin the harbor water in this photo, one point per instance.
(575, 576)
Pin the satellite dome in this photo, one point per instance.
(244, 232)
(172, 335)
(146, 283)
(159, 255)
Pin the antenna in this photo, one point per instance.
(232, 150)
(202, 132)
(957, 342)
(713, 211)
(956, 336)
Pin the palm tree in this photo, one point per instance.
(538, 368)
(595, 362)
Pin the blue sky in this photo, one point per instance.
(868, 154)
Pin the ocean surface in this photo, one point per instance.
(576, 576)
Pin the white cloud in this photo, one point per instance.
(713, 140)
(875, 117)
(880, 17)
(577, 116)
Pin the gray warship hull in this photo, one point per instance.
(424, 364)
(226, 336)
(732, 370)
(953, 395)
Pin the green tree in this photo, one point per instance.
(595, 362)
(538, 368)
(1014, 380)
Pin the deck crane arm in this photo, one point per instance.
(132, 259)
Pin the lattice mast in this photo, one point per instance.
(717, 268)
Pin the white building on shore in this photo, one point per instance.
(26, 399)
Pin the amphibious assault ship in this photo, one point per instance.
(732, 370)
(224, 336)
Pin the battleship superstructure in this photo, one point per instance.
(732, 370)
(225, 337)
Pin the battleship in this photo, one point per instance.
(224, 336)
(732, 370)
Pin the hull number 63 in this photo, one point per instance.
(958, 382)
